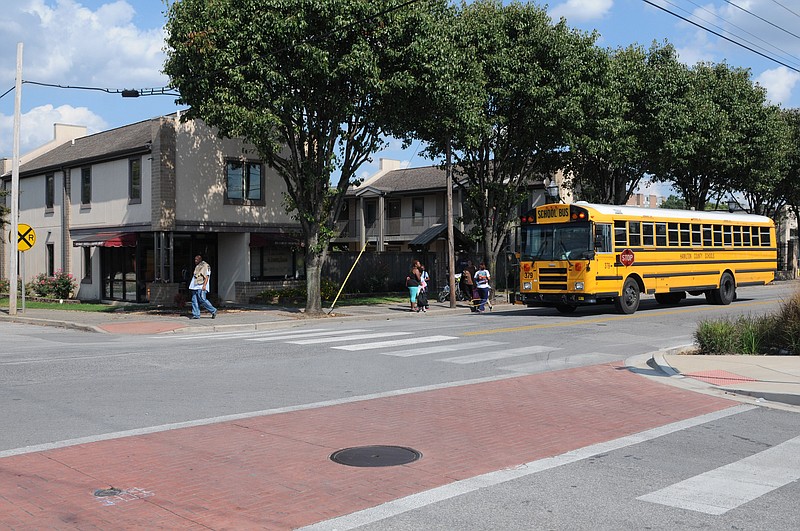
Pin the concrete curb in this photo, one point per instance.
(662, 365)
(55, 323)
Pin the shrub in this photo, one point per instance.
(715, 337)
(59, 286)
(766, 334)
(5, 285)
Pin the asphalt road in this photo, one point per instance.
(61, 384)
(733, 469)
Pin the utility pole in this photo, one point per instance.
(451, 266)
(13, 251)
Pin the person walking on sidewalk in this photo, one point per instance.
(412, 283)
(422, 294)
(199, 288)
(482, 278)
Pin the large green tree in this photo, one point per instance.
(437, 98)
(519, 107)
(608, 154)
(790, 183)
(758, 168)
(305, 82)
(704, 118)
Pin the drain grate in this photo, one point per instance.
(372, 456)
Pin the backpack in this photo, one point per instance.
(422, 299)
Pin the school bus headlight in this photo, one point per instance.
(527, 285)
(579, 286)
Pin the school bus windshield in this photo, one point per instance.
(567, 241)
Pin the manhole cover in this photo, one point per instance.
(368, 456)
(102, 493)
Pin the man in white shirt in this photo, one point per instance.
(199, 287)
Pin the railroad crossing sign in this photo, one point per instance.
(26, 237)
(626, 257)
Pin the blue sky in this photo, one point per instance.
(119, 44)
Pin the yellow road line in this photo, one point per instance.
(639, 315)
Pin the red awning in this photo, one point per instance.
(106, 239)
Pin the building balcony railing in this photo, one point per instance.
(393, 228)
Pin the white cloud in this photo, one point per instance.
(581, 10)
(36, 126)
(68, 43)
(779, 83)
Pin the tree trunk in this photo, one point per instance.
(314, 261)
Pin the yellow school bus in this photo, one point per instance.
(582, 253)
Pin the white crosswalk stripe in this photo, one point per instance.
(499, 354)
(353, 337)
(280, 336)
(436, 349)
(718, 491)
(234, 335)
(396, 343)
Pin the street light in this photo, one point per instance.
(552, 192)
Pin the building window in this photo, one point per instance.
(86, 186)
(393, 209)
(87, 265)
(243, 182)
(49, 191)
(51, 259)
(135, 181)
(417, 210)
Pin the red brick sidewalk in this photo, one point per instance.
(140, 327)
(274, 471)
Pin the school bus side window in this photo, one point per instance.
(686, 236)
(634, 234)
(754, 231)
(707, 242)
(717, 235)
(620, 234)
(696, 240)
(727, 235)
(674, 235)
(765, 239)
(647, 234)
(661, 234)
(602, 238)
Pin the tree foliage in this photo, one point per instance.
(4, 210)
(608, 154)
(304, 82)
(506, 110)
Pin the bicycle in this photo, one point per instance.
(444, 293)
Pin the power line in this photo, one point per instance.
(125, 93)
(765, 20)
(721, 36)
(784, 52)
(786, 8)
